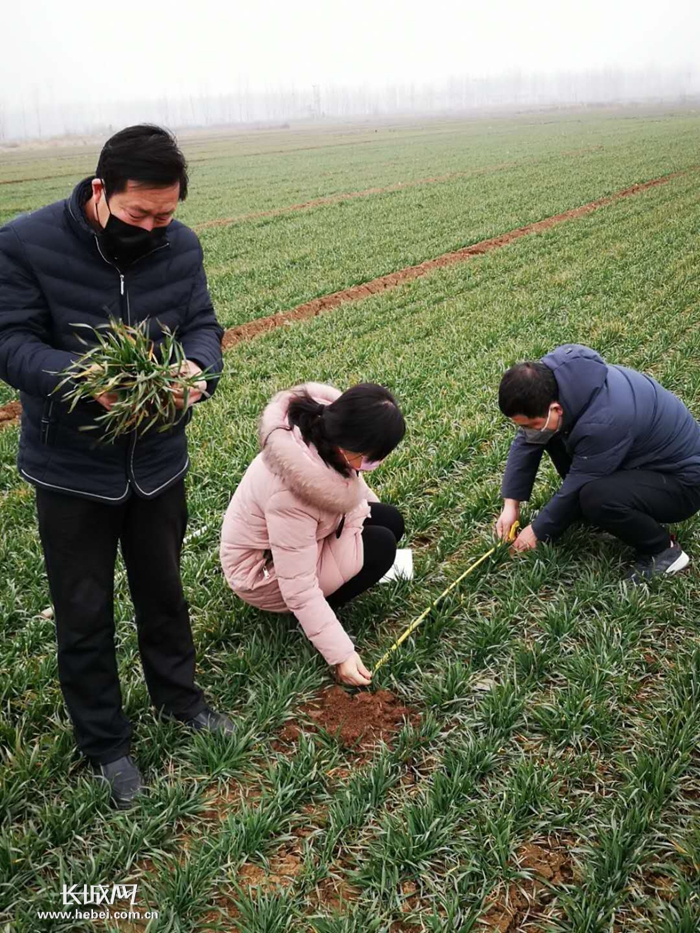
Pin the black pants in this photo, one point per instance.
(80, 539)
(380, 534)
(632, 504)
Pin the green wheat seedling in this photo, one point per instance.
(143, 375)
(556, 710)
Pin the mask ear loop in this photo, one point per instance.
(104, 191)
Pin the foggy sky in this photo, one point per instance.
(131, 49)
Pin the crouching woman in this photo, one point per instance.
(303, 532)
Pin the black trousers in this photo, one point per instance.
(632, 504)
(380, 534)
(79, 540)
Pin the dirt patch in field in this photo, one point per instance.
(283, 869)
(526, 901)
(309, 309)
(225, 912)
(221, 801)
(9, 414)
(334, 894)
(358, 720)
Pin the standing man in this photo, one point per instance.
(627, 449)
(111, 250)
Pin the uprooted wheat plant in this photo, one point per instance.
(143, 376)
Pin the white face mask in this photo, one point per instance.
(366, 466)
(540, 435)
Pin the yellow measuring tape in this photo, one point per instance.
(414, 625)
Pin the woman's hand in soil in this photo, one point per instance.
(353, 672)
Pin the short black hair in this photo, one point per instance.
(527, 389)
(146, 154)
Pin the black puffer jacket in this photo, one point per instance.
(53, 275)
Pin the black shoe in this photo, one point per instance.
(210, 721)
(124, 779)
(647, 566)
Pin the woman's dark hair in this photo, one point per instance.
(365, 420)
(146, 154)
(527, 389)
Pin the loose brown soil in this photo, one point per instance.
(9, 414)
(284, 867)
(252, 329)
(525, 902)
(221, 801)
(333, 893)
(358, 721)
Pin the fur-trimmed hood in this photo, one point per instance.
(287, 455)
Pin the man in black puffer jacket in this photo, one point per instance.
(111, 250)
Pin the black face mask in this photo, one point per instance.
(126, 242)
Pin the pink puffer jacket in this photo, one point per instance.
(290, 504)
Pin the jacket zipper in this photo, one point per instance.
(126, 307)
(132, 445)
(46, 423)
(122, 290)
(124, 304)
(124, 300)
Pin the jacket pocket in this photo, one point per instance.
(49, 423)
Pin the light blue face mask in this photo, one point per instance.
(540, 435)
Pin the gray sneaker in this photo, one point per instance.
(647, 566)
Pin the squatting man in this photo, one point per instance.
(627, 449)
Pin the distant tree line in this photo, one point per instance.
(40, 116)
